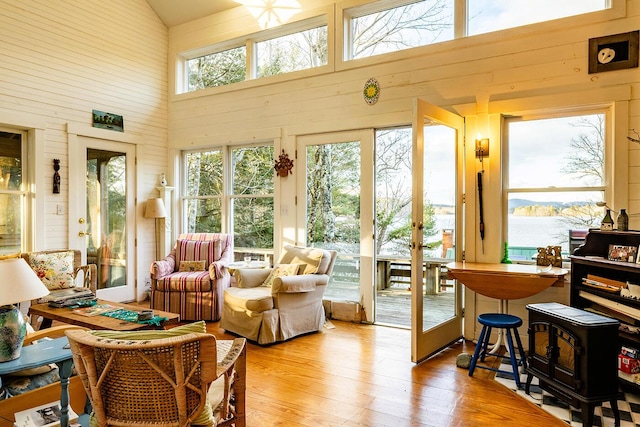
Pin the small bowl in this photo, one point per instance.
(145, 315)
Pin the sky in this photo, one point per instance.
(492, 15)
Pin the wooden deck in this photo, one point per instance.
(393, 301)
(393, 307)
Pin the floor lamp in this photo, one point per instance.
(155, 209)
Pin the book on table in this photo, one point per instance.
(62, 295)
(47, 415)
(95, 310)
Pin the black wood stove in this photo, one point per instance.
(574, 354)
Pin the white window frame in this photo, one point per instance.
(550, 114)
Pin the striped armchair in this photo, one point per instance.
(191, 280)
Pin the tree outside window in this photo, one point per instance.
(249, 198)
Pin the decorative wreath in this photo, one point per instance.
(283, 165)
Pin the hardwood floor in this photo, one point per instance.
(362, 375)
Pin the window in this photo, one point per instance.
(555, 177)
(252, 199)
(12, 193)
(204, 191)
(217, 69)
(371, 29)
(288, 48)
(245, 209)
(292, 52)
(402, 27)
(491, 15)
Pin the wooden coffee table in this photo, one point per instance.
(66, 315)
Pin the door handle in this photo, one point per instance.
(421, 246)
(83, 233)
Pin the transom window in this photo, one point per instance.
(555, 178)
(217, 69)
(292, 52)
(230, 190)
(288, 48)
(492, 15)
(397, 28)
(371, 29)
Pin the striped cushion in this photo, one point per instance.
(197, 250)
(191, 281)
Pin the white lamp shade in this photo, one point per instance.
(20, 283)
(155, 209)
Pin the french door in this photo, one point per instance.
(337, 190)
(102, 217)
(438, 148)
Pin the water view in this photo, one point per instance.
(530, 231)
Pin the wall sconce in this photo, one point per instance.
(482, 148)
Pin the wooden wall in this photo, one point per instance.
(61, 59)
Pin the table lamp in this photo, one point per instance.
(20, 284)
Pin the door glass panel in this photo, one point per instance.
(438, 218)
(393, 226)
(11, 193)
(333, 206)
(106, 216)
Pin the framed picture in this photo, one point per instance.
(622, 253)
(107, 121)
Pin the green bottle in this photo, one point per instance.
(623, 220)
(505, 257)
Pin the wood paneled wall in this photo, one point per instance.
(61, 59)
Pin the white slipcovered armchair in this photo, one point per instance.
(290, 305)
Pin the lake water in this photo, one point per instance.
(526, 230)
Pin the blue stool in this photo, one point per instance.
(503, 321)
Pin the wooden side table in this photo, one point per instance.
(42, 353)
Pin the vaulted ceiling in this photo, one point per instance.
(176, 12)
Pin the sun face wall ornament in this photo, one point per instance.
(283, 165)
(371, 91)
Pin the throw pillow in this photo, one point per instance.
(279, 271)
(192, 265)
(311, 257)
(55, 269)
(198, 327)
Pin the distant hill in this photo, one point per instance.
(518, 203)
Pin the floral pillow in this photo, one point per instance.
(55, 269)
(192, 265)
(279, 271)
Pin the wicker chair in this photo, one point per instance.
(59, 269)
(185, 380)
